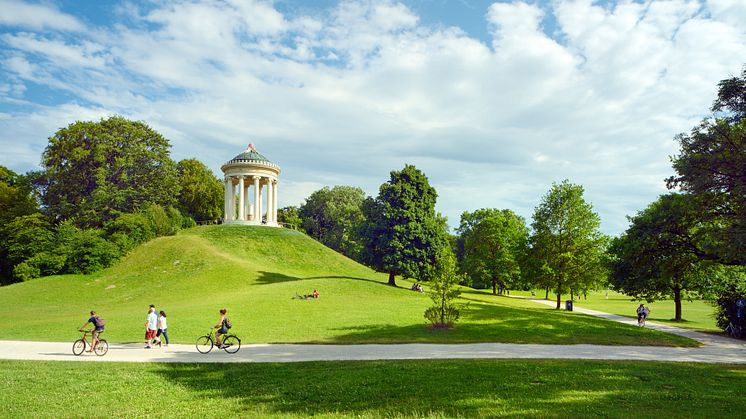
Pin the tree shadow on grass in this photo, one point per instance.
(450, 388)
(276, 277)
(493, 323)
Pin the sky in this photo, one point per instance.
(493, 101)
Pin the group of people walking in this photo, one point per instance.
(155, 327)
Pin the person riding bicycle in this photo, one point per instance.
(98, 327)
(642, 313)
(223, 325)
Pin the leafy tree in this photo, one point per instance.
(710, 167)
(443, 290)
(202, 193)
(94, 171)
(333, 217)
(402, 233)
(23, 238)
(652, 259)
(568, 247)
(290, 215)
(493, 249)
(16, 198)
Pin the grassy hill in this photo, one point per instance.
(254, 272)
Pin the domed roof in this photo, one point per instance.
(249, 154)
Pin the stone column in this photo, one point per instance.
(259, 205)
(274, 202)
(246, 205)
(241, 208)
(227, 202)
(270, 200)
(257, 202)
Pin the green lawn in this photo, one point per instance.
(254, 272)
(453, 388)
(697, 314)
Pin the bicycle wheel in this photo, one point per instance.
(78, 347)
(204, 344)
(231, 344)
(102, 347)
(737, 332)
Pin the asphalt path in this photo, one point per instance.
(714, 349)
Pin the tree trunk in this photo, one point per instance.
(572, 295)
(677, 301)
(559, 300)
(494, 286)
(392, 279)
(546, 296)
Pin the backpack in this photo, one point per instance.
(227, 322)
(99, 322)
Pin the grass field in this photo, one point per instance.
(454, 388)
(697, 314)
(254, 272)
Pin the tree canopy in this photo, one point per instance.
(202, 193)
(493, 247)
(652, 259)
(711, 167)
(94, 171)
(402, 232)
(566, 243)
(333, 216)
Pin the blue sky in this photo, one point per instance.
(494, 101)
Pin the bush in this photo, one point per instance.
(129, 230)
(25, 271)
(90, 253)
(164, 222)
(188, 222)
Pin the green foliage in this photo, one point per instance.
(443, 291)
(731, 290)
(130, 230)
(494, 244)
(26, 236)
(333, 217)
(709, 167)
(94, 171)
(202, 193)
(290, 216)
(15, 196)
(652, 259)
(402, 233)
(163, 222)
(567, 248)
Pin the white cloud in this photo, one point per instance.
(346, 96)
(36, 16)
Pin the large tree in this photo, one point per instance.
(711, 166)
(202, 193)
(652, 259)
(566, 240)
(493, 249)
(16, 200)
(96, 170)
(402, 232)
(333, 216)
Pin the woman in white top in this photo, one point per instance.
(162, 326)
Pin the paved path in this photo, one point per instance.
(715, 349)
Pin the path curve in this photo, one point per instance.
(715, 349)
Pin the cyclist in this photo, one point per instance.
(222, 326)
(642, 314)
(98, 327)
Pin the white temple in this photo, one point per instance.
(249, 175)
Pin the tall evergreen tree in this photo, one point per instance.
(402, 232)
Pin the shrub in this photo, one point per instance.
(130, 230)
(25, 271)
(443, 290)
(90, 252)
(188, 222)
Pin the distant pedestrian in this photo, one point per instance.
(151, 327)
(162, 326)
(642, 314)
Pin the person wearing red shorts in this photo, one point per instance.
(151, 326)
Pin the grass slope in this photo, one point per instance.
(254, 272)
(453, 388)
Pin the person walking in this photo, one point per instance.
(151, 326)
(162, 326)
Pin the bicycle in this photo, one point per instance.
(102, 347)
(231, 343)
(734, 330)
(641, 320)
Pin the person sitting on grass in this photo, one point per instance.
(98, 328)
(222, 326)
